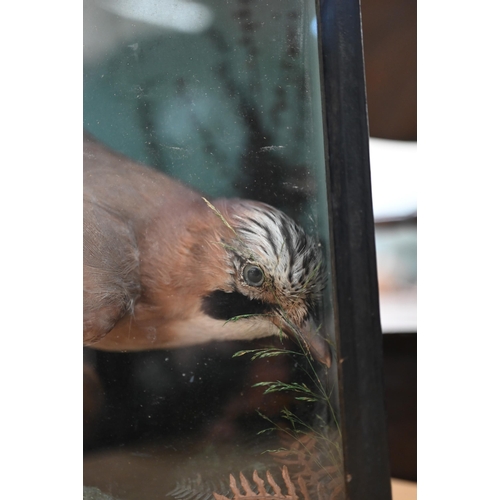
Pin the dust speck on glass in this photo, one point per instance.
(224, 96)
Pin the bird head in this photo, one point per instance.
(273, 276)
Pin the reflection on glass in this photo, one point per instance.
(224, 97)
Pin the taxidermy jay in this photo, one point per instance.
(166, 268)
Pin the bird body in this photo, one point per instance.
(165, 268)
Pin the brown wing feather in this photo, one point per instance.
(122, 199)
(111, 280)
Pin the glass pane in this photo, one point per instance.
(224, 97)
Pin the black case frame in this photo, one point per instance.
(356, 299)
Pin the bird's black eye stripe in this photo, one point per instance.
(224, 306)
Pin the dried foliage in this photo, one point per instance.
(304, 472)
(311, 451)
(197, 489)
(261, 493)
(318, 477)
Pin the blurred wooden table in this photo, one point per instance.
(403, 490)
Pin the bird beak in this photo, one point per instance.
(308, 335)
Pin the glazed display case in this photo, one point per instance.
(263, 101)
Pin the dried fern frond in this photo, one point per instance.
(196, 489)
(316, 475)
(261, 493)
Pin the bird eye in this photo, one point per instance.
(253, 275)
